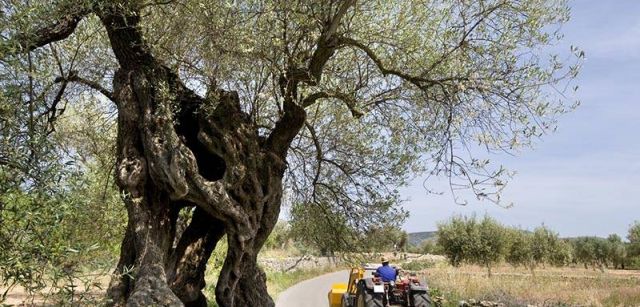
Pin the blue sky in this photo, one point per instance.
(585, 178)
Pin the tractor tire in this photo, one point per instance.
(346, 301)
(366, 297)
(420, 299)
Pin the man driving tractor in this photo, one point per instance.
(382, 289)
(386, 272)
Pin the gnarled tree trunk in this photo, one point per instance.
(177, 150)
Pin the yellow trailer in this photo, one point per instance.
(341, 291)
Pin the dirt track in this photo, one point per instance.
(312, 292)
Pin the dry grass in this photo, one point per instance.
(548, 287)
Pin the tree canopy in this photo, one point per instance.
(227, 108)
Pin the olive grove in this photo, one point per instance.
(227, 109)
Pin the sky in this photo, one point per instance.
(584, 179)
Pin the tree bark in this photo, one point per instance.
(188, 261)
(174, 153)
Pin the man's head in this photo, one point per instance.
(384, 261)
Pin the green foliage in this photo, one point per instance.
(634, 233)
(633, 262)
(313, 228)
(317, 228)
(280, 236)
(540, 247)
(548, 248)
(633, 236)
(67, 217)
(416, 265)
(429, 247)
(591, 251)
(490, 245)
(601, 253)
(617, 251)
(487, 243)
(483, 242)
(452, 238)
(521, 249)
(562, 253)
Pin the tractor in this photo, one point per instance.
(371, 291)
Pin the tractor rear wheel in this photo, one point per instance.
(420, 299)
(366, 297)
(346, 300)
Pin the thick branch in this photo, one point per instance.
(291, 121)
(54, 32)
(319, 155)
(327, 43)
(127, 42)
(294, 115)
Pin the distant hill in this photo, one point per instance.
(416, 238)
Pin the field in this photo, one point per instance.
(547, 287)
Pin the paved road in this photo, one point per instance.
(312, 292)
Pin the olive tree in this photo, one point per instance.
(453, 239)
(466, 239)
(591, 251)
(617, 251)
(521, 249)
(489, 243)
(633, 235)
(223, 106)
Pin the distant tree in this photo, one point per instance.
(562, 253)
(592, 251)
(453, 239)
(633, 247)
(521, 249)
(633, 236)
(491, 243)
(540, 247)
(381, 238)
(584, 251)
(279, 237)
(315, 230)
(430, 247)
(402, 241)
(547, 247)
(463, 239)
(617, 251)
(325, 229)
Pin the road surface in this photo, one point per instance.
(312, 292)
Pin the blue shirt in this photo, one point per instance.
(387, 273)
